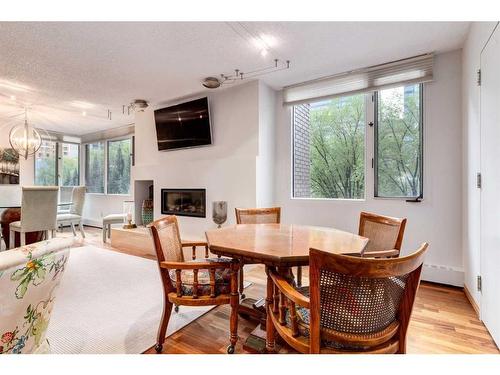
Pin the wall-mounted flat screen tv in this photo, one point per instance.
(183, 125)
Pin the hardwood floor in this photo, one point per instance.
(443, 320)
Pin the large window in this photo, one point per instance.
(398, 142)
(70, 160)
(57, 163)
(46, 164)
(329, 137)
(94, 167)
(329, 148)
(119, 152)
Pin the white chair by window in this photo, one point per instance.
(65, 193)
(75, 212)
(38, 212)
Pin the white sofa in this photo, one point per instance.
(29, 278)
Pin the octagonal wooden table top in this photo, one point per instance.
(281, 244)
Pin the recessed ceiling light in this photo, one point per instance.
(264, 42)
(269, 40)
(263, 53)
(12, 97)
(14, 86)
(81, 104)
(84, 113)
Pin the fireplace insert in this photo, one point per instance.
(183, 202)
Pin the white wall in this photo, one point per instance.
(437, 219)
(476, 39)
(226, 169)
(99, 205)
(267, 140)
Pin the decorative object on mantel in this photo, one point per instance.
(214, 82)
(219, 212)
(128, 209)
(147, 208)
(25, 139)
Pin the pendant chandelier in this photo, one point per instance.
(25, 139)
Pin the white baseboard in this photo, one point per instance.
(93, 222)
(443, 274)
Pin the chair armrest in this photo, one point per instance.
(288, 290)
(193, 245)
(188, 243)
(381, 254)
(194, 265)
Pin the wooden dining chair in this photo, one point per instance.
(271, 215)
(352, 304)
(192, 283)
(385, 234)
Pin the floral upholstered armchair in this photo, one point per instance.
(29, 277)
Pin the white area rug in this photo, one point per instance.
(110, 303)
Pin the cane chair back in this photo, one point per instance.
(361, 303)
(258, 215)
(167, 232)
(384, 233)
(271, 215)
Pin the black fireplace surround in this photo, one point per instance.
(183, 202)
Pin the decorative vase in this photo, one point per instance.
(219, 212)
(128, 210)
(147, 211)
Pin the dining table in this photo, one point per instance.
(281, 246)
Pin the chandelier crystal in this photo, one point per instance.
(25, 139)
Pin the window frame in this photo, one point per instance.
(108, 141)
(56, 162)
(86, 169)
(60, 157)
(106, 159)
(375, 147)
(366, 156)
(370, 152)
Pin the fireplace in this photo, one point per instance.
(183, 202)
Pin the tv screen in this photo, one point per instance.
(183, 125)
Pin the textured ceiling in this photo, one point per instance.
(64, 69)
